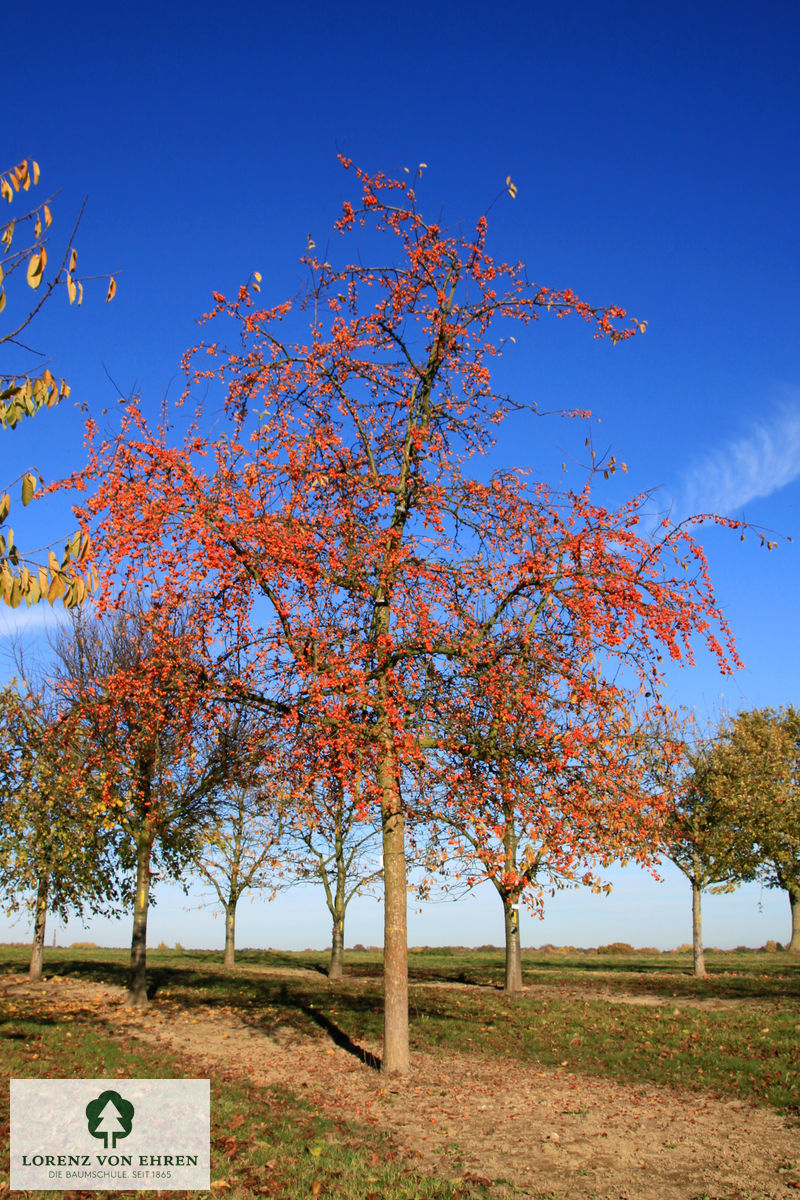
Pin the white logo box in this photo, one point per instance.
(110, 1134)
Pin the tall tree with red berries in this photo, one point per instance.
(338, 518)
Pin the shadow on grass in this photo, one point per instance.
(263, 1003)
(304, 999)
(340, 1038)
(114, 973)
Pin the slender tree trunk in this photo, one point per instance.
(697, 932)
(230, 934)
(137, 977)
(39, 920)
(794, 904)
(336, 966)
(396, 1058)
(513, 980)
(339, 901)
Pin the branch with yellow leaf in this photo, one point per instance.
(22, 578)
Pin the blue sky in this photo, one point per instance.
(655, 153)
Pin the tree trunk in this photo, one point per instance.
(697, 932)
(513, 980)
(137, 978)
(396, 1059)
(230, 934)
(40, 918)
(336, 967)
(794, 904)
(338, 902)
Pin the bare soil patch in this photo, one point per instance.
(544, 1132)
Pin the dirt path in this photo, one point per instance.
(550, 1131)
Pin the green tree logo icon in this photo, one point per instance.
(110, 1117)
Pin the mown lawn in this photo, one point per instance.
(746, 1049)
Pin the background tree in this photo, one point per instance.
(242, 851)
(25, 240)
(162, 754)
(539, 778)
(337, 520)
(336, 844)
(703, 834)
(754, 767)
(53, 853)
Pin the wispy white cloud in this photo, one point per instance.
(19, 622)
(761, 460)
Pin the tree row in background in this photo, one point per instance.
(102, 794)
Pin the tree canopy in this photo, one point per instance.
(754, 770)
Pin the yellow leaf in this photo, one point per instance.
(48, 217)
(112, 289)
(72, 291)
(257, 276)
(80, 293)
(5, 506)
(57, 588)
(35, 170)
(5, 190)
(36, 267)
(2, 299)
(73, 259)
(16, 594)
(37, 229)
(28, 487)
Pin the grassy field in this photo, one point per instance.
(264, 1141)
(735, 1034)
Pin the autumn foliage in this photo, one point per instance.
(25, 243)
(342, 529)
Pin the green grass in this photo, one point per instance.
(264, 1141)
(747, 1051)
